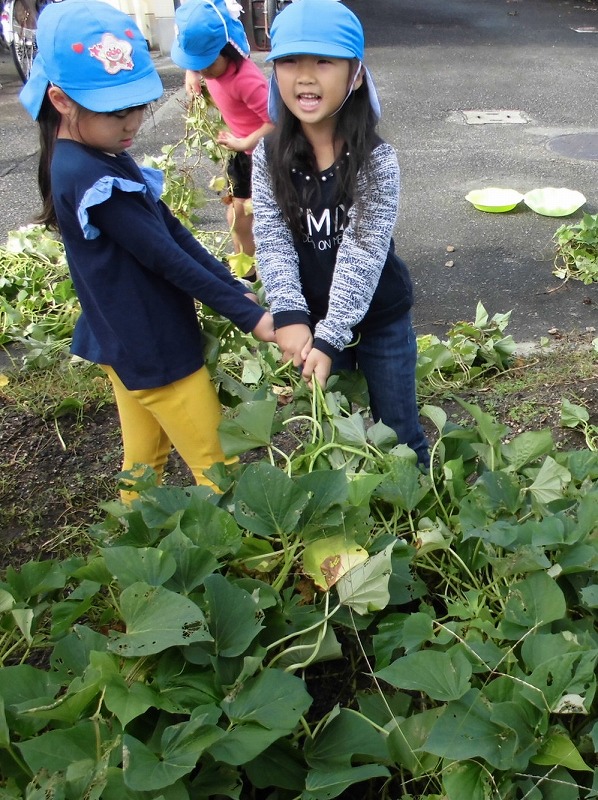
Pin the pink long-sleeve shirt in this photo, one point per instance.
(241, 95)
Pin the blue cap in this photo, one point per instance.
(203, 28)
(317, 28)
(95, 53)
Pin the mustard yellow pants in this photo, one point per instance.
(184, 414)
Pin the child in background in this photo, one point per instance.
(325, 199)
(211, 45)
(136, 269)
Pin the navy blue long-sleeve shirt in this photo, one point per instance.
(136, 270)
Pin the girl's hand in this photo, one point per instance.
(232, 142)
(317, 365)
(295, 343)
(264, 330)
(192, 83)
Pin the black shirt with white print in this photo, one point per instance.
(342, 275)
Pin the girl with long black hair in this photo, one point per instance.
(325, 201)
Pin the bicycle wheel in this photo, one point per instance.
(23, 45)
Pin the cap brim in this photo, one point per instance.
(307, 48)
(194, 62)
(139, 92)
(33, 92)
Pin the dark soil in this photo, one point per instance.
(55, 474)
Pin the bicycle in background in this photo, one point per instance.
(18, 20)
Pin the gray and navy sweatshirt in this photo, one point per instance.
(342, 276)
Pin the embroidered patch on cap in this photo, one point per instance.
(114, 53)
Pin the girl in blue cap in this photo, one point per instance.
(212, 47)
(325, 199)
(136, 269)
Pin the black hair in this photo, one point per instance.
(230, 52)
(288, 149)
(49, 122)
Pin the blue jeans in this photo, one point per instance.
(387, 359)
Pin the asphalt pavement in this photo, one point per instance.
(441, 67)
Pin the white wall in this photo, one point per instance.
(155, 19)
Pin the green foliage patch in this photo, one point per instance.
(577, 250)
(177, 657)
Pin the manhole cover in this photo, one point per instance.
(576, 145)
(496, 117)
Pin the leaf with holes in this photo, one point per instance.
(156, 619)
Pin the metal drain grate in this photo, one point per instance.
(576, 145)
(494, 117)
